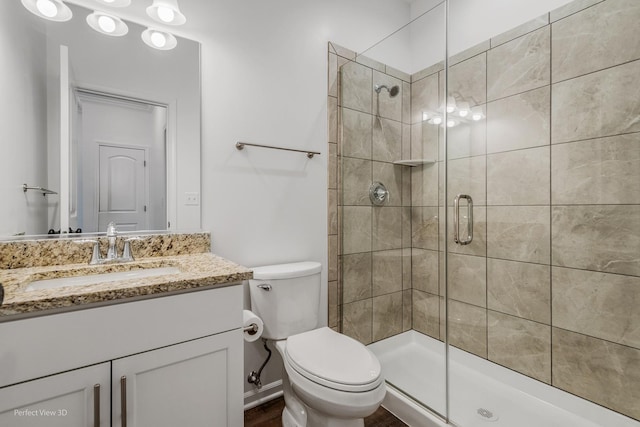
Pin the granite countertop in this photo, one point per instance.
(196, 271)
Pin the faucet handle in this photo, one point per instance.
(96, 256)
(127, 255)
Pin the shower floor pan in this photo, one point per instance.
(482, 393)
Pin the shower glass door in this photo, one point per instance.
(543, 190)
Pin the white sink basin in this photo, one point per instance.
(100, 278)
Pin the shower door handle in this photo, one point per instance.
(456, 219)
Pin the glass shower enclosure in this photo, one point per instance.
(487, 208)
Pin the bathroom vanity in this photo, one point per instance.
(158, 351)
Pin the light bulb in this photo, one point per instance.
(108, 1)
(464, 109)
(437, 120)
(476, 113)
(166, 14)
(450, 123)
(425, 116)
(451, 104)
(106, 24)
(47, 8)
(158, 39)
(476, 117)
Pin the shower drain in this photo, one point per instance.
(486, 415)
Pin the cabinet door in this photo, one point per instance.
(70, 399)
(196, 384)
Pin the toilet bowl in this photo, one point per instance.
(330, 380)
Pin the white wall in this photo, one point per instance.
(265, 81)
(23, 148)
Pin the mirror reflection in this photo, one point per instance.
(105, 123)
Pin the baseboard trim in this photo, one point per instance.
(268, 392)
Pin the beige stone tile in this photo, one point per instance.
(356, 277)
(600, 104)
(424, 185)
(520, 289)
(467, 279)
(601, 238)
(468, 81)
(424, 141)
(387, 315)
(383, 104)
(598, 171)
(332, 166)
(424, 97)
(519, 65)
(519, 177)
(332, 214)
(426, 72)
(426, 313)
(333, 304)
(425, 223)
(468, 176)
(342, 51)
(600, 371)
(406, 102)
(406, 227)
(356, 181)
(356, 235)
(332, 78)
(332, 270)
(519, 121)
(391, 176)
(520, 30)
(357, 86)
(521, 345)
(332, 120)
(405, 77)
(371, 63)
(425, 270)
(466, 140)
(468, 327)
(387, 228)
(571, 8)
(406, 268)
(387, 140)
(406, 141)
(387, 272)
(519, 233)
(597, 304)
(406, 186)
(357, 320)
(407, 310)
(599, 37)
(478, 245)
(469, 53)
(357, 129)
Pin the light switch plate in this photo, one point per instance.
(192, 199)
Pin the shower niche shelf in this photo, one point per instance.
(414, 162)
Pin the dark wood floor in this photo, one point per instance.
(270, 415)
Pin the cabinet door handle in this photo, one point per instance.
(123, 401)
(456, 219)
(96, 405)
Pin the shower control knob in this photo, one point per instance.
(378, 194)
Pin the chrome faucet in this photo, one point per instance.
(112, 252)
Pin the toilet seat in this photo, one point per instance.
(333, 360)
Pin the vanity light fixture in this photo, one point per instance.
(159, 39)
(166, 12)
(115, 3)
(53, 10)
(107, 24)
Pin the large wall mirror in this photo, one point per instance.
(108, 124)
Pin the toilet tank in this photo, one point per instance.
(286, 297)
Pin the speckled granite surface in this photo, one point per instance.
(62, 251)
(25, 261)
(196, 270)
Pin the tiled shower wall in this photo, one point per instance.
(550, 286)
(374, 253)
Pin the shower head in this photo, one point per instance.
(392, 92)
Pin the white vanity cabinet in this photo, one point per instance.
(167, 361)
(77, 398)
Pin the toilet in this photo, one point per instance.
(330, 380)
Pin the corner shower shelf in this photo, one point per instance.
(414, 162)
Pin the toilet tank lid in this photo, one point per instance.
(287, 271)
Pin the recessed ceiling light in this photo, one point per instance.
(159, 39)
(107, 24)
(166, 12)
(53, 10)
